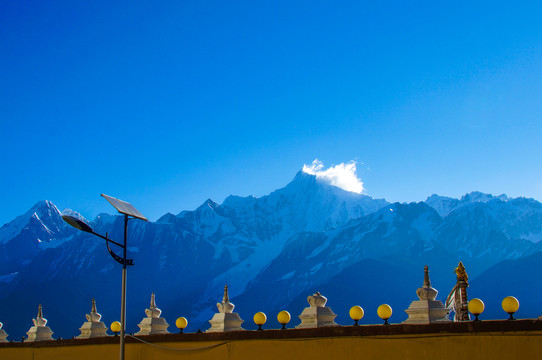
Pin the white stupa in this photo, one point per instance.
(317, 314)
(40, 331)
(93, 327)
(153, 323)
(426, 310)
(225, 319)
(3, 334)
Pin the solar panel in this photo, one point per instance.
(124, 208)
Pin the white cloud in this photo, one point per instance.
(342, 175)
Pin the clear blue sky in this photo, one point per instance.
(166, 104)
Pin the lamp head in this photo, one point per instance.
(181, 323)
(76, 223)
(476, 306)
(356, 313)
(283, 318)
(510, 304)
(115, 326)
(384, 311)
(260, 318)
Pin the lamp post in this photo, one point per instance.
(384, 311)
(476, 307)
(129, 213)
(284, 318)
(181, 323)
(510, 304)
(259, 319)
(356, 314)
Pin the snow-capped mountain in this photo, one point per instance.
(43, 218)
(247, 233)
(22, 239)
(306, 203)
(272, 251)
(407, 236)
(445, 205)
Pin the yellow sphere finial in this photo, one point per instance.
(510, 304)
(284, 318)
(181, 323)
(476, 307)
(115, 327)
(356, 313)
(259, 319)
(384, 311)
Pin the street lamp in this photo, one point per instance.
(129, 213)
(259, 319)
(181, 323)
(284, 318)
(476, 307)
(510, 304)
(356, 314)
(384, 311)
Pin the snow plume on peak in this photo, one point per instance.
(342, 175)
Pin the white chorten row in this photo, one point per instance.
(426, 310)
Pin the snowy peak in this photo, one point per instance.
(43, 212)
(207, 210)
(168, 218)
(307, 203)
(208, 204)
(445, 205)
(477, 196)
(302, 179)
(205, 221)
(306, 182)
(442, 204)
(301, 184)
(415, 215)
(342, 175)
(44, 209)
(103, 221)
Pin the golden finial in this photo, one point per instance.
(461, 272)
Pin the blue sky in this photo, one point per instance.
(166, 104)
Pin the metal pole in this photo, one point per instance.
(123, 299)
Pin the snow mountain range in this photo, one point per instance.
(273, 252)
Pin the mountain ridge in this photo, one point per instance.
(270, 250)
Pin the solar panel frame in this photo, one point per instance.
(124, 207)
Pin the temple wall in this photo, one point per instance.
(493, 340)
